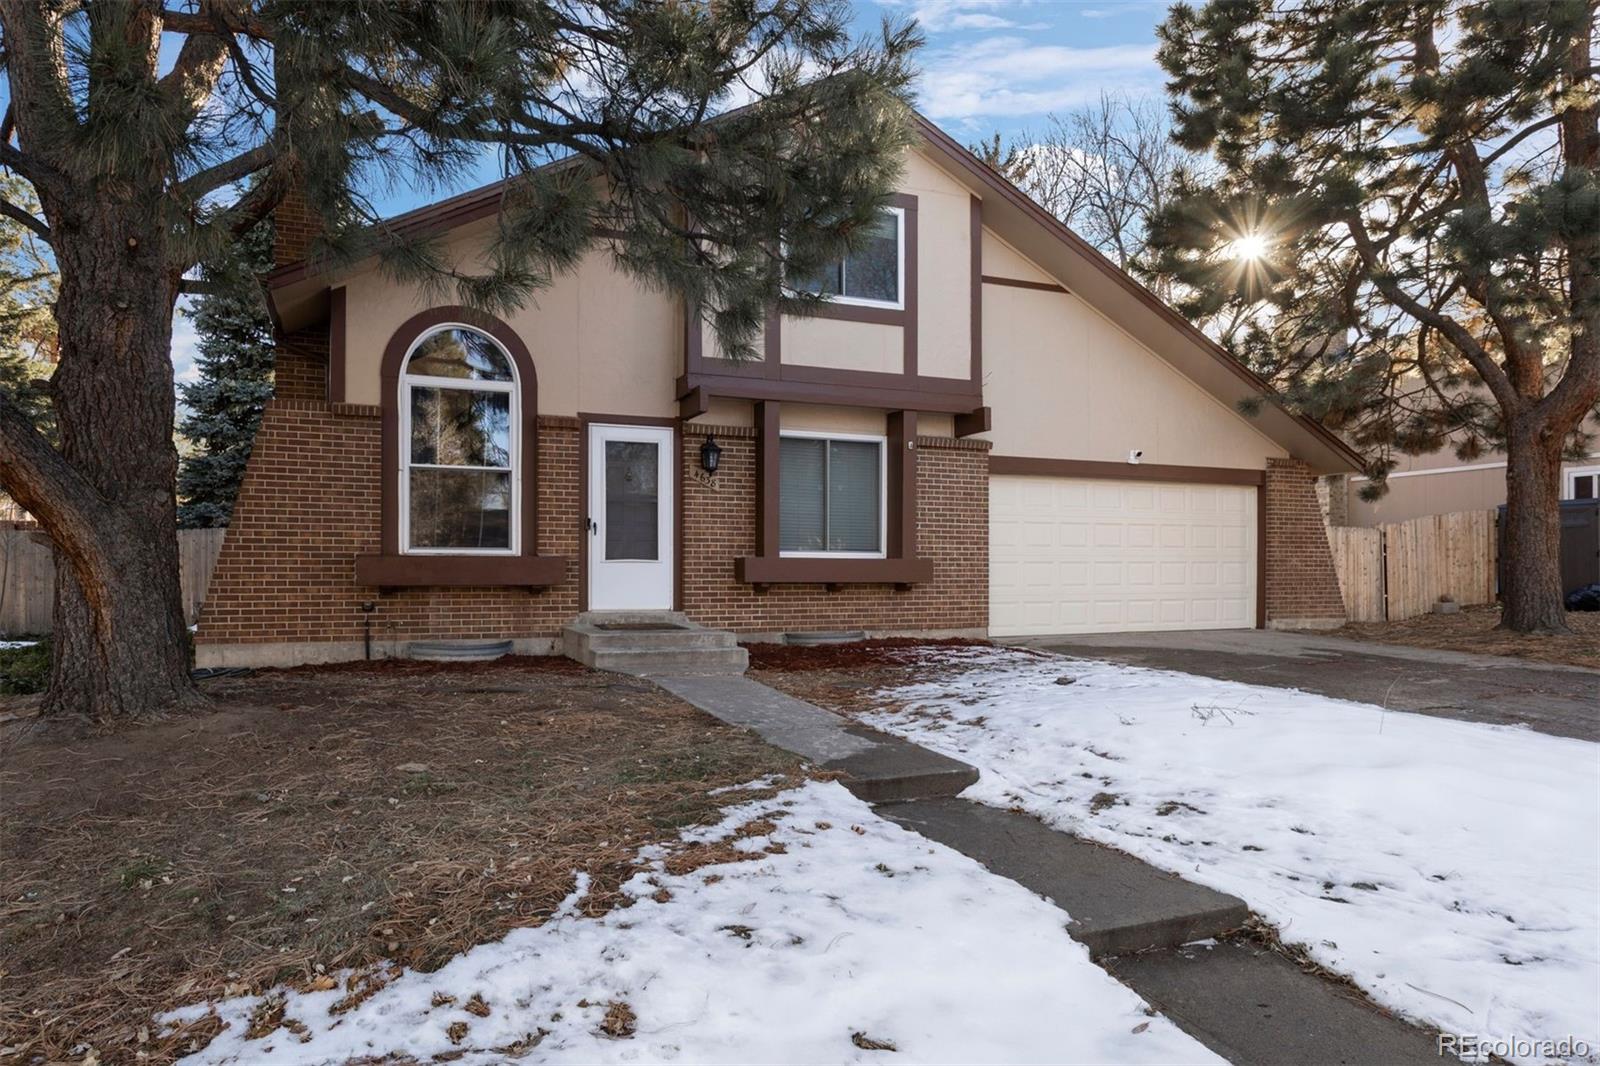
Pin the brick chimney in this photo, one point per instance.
(295, 225)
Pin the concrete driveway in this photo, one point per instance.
(1561, 700)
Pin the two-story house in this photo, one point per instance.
(989, 429)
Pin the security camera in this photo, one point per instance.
(1136, 455)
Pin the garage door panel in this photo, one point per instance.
(1076, 555)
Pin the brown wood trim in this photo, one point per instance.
(693, 404)
(1089, 468)
(659, 421)
(842, 395)
(693, 339)
(781, 570)
(909, 286)
(873, 316)
(585, 421)
(394, 354)
(768, 413)
(975, 237)
(412, 571)
(727, 370)
(900, 494)
(772, 343)
(979, 421)
(336, 345)
(1261, 555)
(1021, 283)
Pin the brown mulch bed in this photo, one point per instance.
(844, 677)
(1472, 629)
(884, 651)
(325, 819)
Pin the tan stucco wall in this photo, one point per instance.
(1440, 492)
(831, 342)
(944, 270)
(600, 342)
(1063, 382)
(944, 294)
(1000, 260)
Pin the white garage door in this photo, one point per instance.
(1068, 555)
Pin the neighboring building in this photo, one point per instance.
(1440, 483)
(991, 430)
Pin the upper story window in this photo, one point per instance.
(460, 480)
(872, 275)
(831, 495)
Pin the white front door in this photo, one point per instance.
(630, 509)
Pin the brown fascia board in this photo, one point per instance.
(990, 180)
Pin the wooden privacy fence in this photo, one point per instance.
(1397, 571)
(28, 575)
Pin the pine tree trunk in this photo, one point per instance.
(120, 643)
(1531, 546)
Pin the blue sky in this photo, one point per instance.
(1004, 65)
(988, 66)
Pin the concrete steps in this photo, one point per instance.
(652, 644)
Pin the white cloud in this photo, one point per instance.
(1009, 75)
(938, 15)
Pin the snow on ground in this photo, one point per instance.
(1449, 868)
(857, 927)
(12, 645)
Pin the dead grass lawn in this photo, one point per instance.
(324, 819)
(1472, 629)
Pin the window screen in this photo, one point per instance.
(830, 495)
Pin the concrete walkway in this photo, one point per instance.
(1247, 1003)
(880, 767)
(1560, 700)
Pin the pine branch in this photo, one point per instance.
(41, 480)
(17, 214)
(241, 166)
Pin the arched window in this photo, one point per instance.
(460, 444)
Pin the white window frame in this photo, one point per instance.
(512, 387)
(899, 301)
(1570, 476)
(883, 495)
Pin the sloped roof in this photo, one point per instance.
(1032, 230)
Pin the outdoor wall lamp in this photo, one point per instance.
(710, 455)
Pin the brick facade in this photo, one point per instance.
(310, 504)
(952, 529)
(1302, 586)
(284, 587)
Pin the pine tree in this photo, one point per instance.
(708, 147)
(223, 405)
(27, 330)
(1405, 230)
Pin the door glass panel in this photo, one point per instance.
(632, 500)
